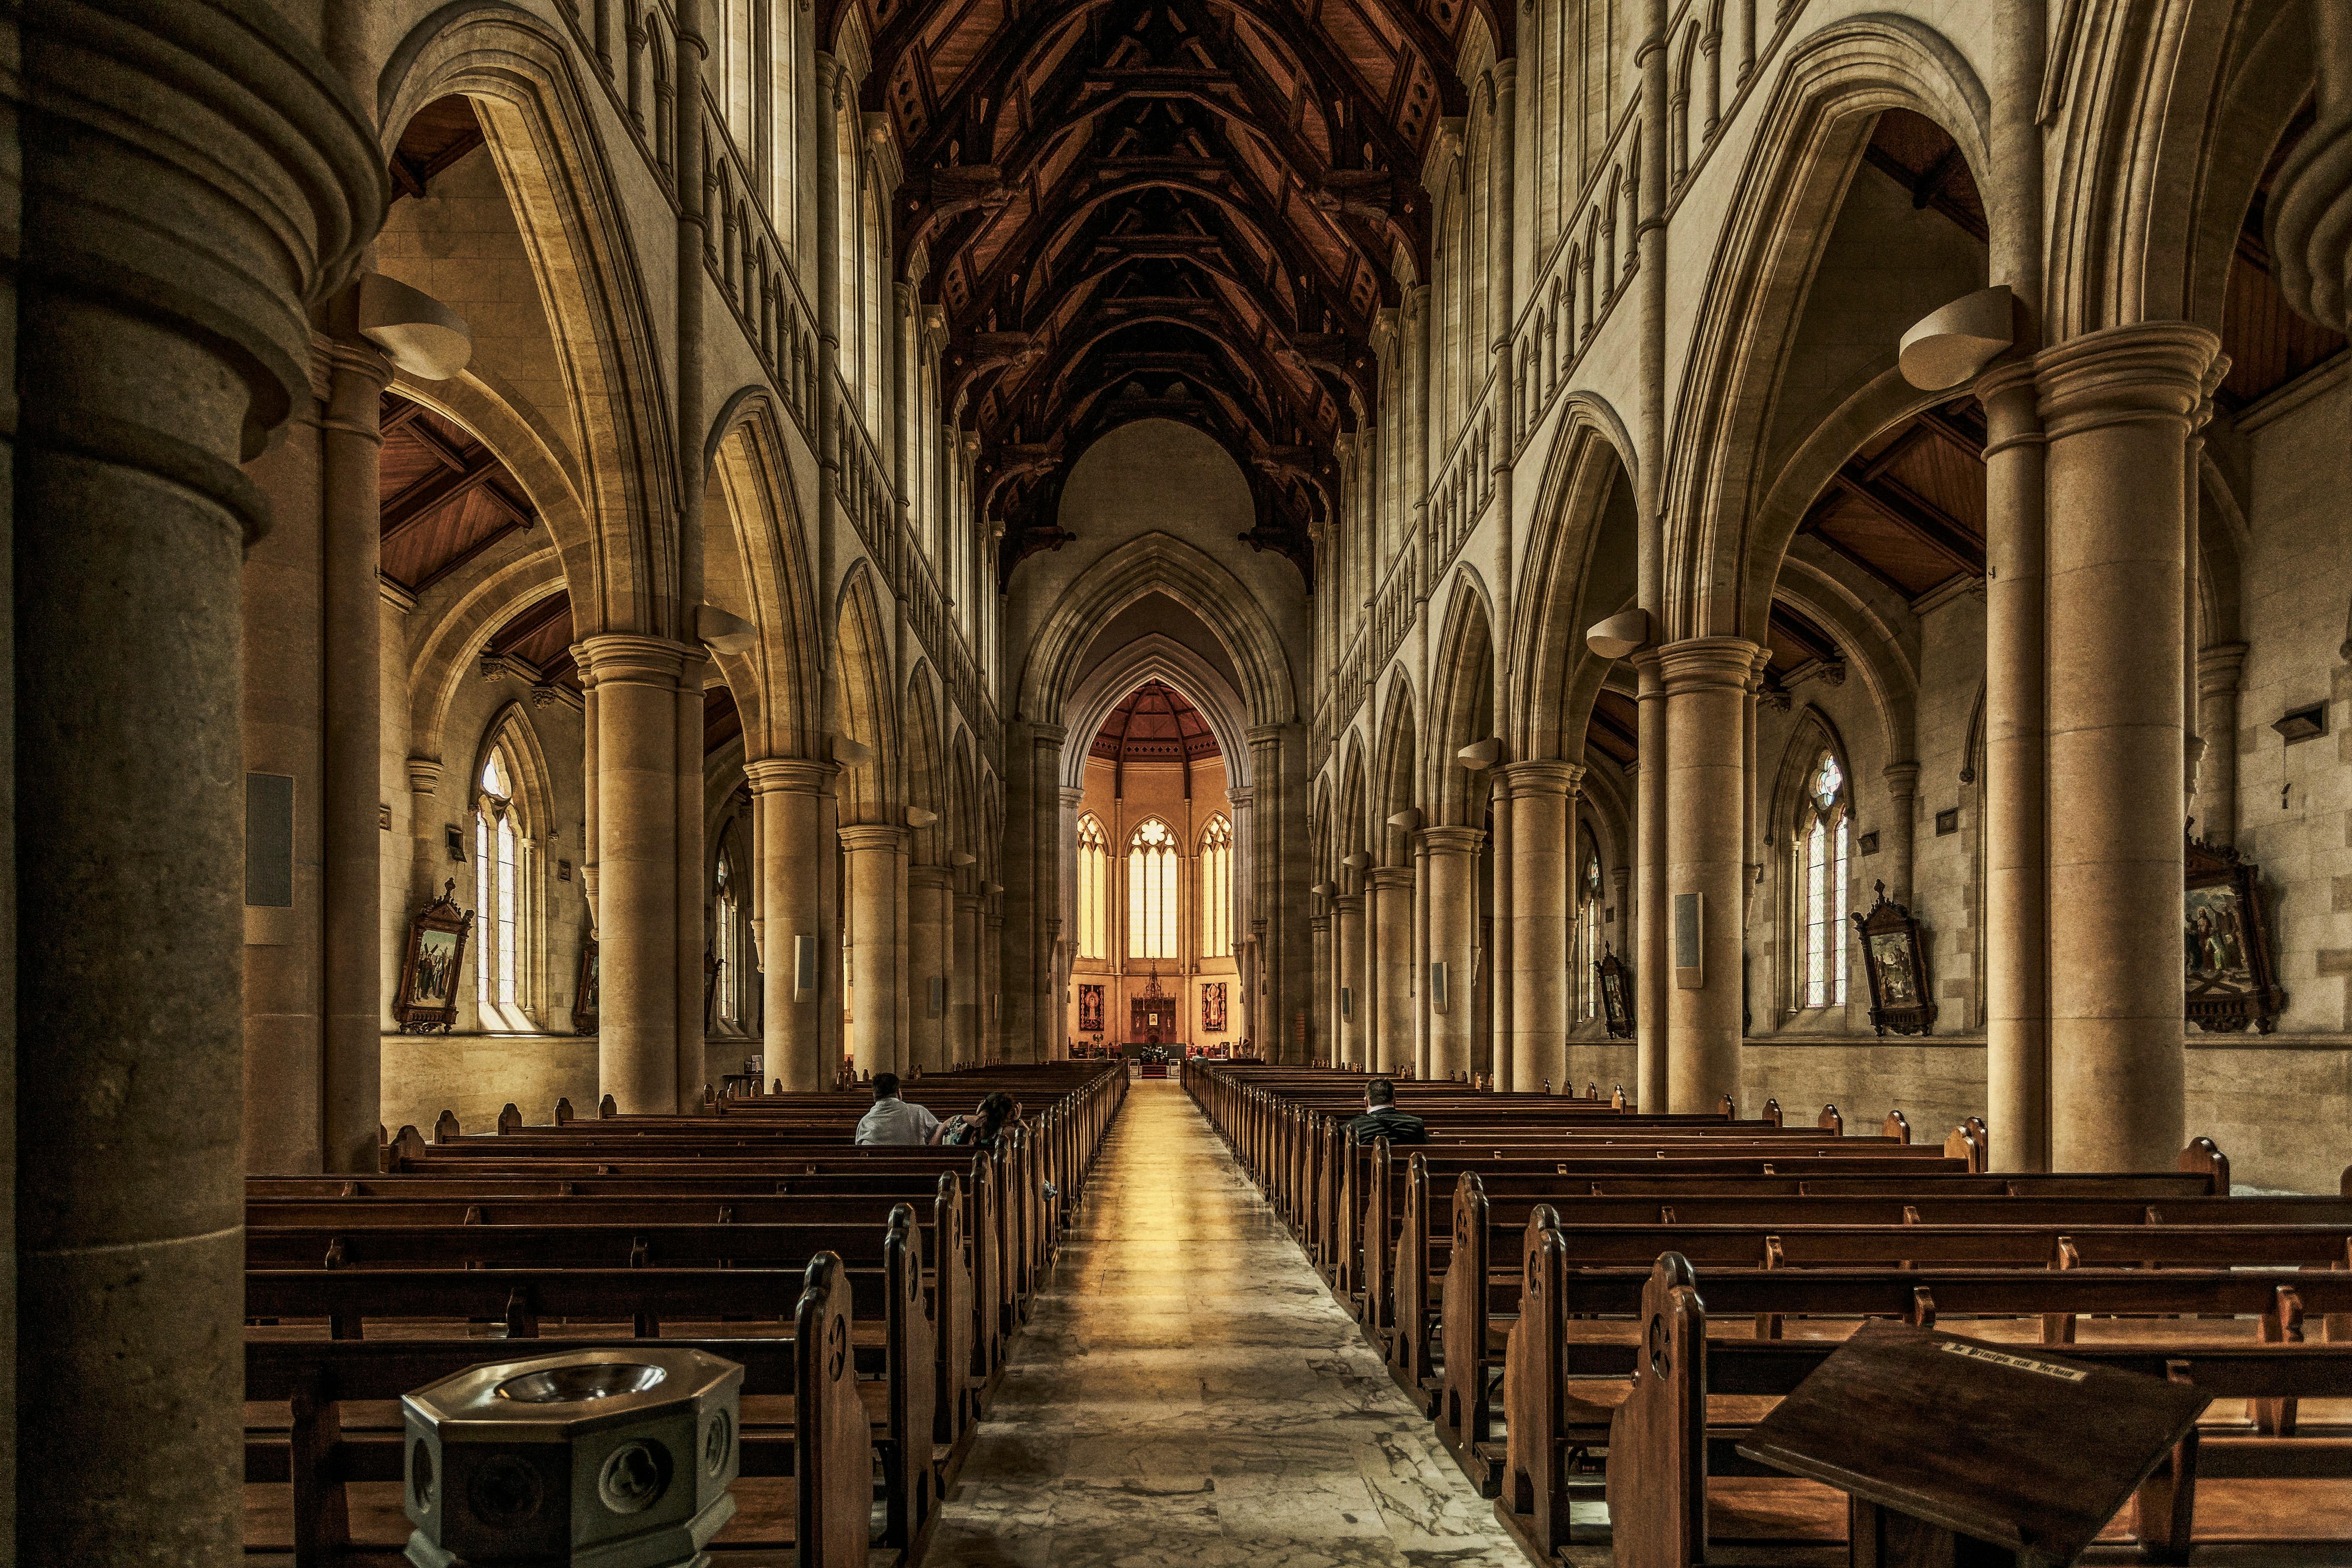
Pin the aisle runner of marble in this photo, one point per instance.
(1187, 1392)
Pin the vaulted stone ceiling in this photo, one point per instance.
(1182, 208)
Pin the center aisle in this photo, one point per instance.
(1188, 1392)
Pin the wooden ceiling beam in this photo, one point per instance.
(430, 493)
(1914, 515)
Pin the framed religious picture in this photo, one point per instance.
(1897, 963)
(2233, 975)
(1615, 984)
(583, 989)
(1213, 1007)
(1090, 1009)
(427, 1003)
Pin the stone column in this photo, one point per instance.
(2117, 407)
(1497, 964)
(1391, 945)
(398, 847)
(991, 980)
(2219, 666)
(1543, 946)
(795, 860)
(874, 867)
(194, 177)
(1896, 843)
(352, 889)
(1319, 927)
(635, 680)
(2016, 912)
(1706, 682)
(931, 952)
(1418, 960)
(1646, 944)
(963, 985)
(689, 878)
(1033, 754)
(1348, 1045)
(1452, 856)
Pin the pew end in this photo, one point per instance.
(2203, 1157)
(1657, 1478)
(445, 1128)
(1896, 1126)
(1830, 1121)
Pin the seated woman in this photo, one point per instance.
(984, 1127)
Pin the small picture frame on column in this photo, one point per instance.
(433, 963)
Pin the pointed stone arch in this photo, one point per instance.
(1809, 140)
(865, 705)
(758, 568)
(1162, 658)
(926, 785)
(1591, 454)
(1158, 563)
(1395, 783)
(1462, 688)
(521, 75)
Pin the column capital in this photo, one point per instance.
(1452, 840)
(2219, 666)
(1072, 796)
(2154, 371)
(1240, 797)
(1043, 735)
(1319, 922)
(1699, 664)
(969, 903)
(424, 774)
(1390, 878)
(1349, 904)
(1902, 780)
(790, 776)
(1265, 734)
(1548, 776)
(859, 836)
(938, 878)
(625, 657)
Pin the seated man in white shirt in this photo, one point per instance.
(892, 1120)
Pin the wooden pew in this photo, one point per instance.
(1690, 1396)
(519, 1297)
(1563, 1390)
(342, 1468)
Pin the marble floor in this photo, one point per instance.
(1188, 1392)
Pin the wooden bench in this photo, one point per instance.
(1672, 1410)
(323, 1454)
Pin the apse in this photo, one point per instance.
(1154, 960)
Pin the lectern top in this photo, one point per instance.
(2009, 1445)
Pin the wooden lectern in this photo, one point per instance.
(1958, 1454)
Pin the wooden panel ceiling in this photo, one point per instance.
(1120, 196)
(536, 639)
(444, 497)
(2268, 344)
(1909, 508)
(1153, 724)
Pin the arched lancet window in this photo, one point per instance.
(1093, 889)
(1821, 848)
(1217, 888)
(729, 940)
(1588, 931)
(1152, 891)
(503, 908)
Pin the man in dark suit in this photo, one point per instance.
(1382, 1118)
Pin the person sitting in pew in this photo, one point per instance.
(893, 1119)
(984, 1127)
(1382, 1118)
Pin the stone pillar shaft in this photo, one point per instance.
(351, 967)
(1647, 934)
(1900, 835)
(931, 953)
(2219, 666)
(1706, 682)
(1391, 945)
(184, 219)
(1451, 855)
(1348, 1022)
(874, 864)
(2016, 911)
(965, 983)
(638, 1046)
(1543, 946)
(795, 860)
(2117, 407)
